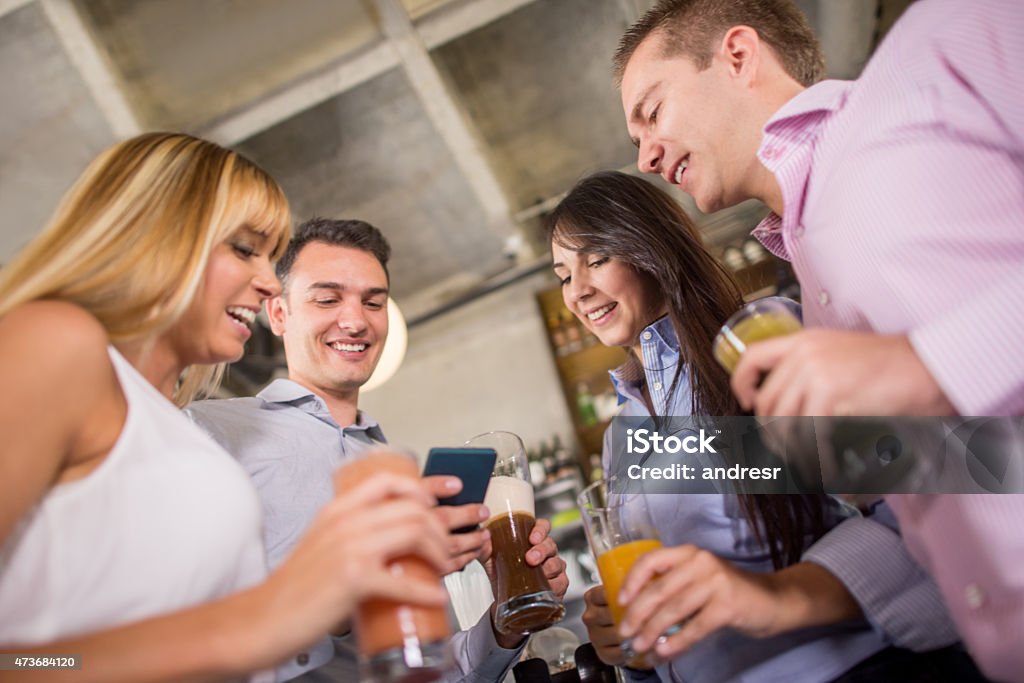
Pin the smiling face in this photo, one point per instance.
(238, 279)
(333, 318)
(608, 296)
(690, 126)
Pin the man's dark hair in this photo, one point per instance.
(339, 233)
(692, 27)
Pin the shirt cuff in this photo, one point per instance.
(478, 655)
(899, 600)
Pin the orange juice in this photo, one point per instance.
(615, 564)
(764, 325)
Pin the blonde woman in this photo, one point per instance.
(127, 537)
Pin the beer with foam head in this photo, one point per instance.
(524, 599)
(527, 604)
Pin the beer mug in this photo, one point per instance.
(399, 642)
(525, 601)
(620, 531)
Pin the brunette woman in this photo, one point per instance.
(635, 272)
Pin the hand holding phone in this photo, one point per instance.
(473, 466)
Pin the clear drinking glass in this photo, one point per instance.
(525, 601)
(772, 316)
(398, 642)
(620, 530)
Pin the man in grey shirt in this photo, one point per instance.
(332, 315)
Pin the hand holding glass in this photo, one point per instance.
(399, 642)
(525, 601)
(620, 530)
(773, 316)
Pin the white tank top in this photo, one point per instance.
(168, 520)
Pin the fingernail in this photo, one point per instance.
(486, 535)
(484, 512)
(533, 556)
(626, 630)
(452, 484)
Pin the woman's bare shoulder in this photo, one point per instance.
(54, 341)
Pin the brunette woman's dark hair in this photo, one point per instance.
(616, 215)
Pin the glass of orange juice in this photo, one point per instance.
(772, 316)
(620, 530)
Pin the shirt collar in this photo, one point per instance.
(628, 378)
(787, 149)
(662, 334)
(291, 392)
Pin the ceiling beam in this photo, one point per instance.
(302, 94)
(459, 18)
(435, 29)
(8, 6)
(92, 64)
(456, 129)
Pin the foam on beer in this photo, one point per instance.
(506, 495)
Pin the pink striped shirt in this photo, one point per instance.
(904, 214)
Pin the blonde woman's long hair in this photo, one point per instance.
(129, 242)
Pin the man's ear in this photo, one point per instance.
(741, 49)
(276, 314)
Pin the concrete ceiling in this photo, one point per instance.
(450, 124)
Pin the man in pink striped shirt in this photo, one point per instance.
(899, 199)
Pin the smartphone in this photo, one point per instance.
(472, 465)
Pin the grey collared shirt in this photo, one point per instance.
(290, 445)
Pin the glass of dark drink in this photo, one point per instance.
(525, 601)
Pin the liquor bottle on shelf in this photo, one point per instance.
(567, 466)
(557, 334)
(574, 340)
(585, 404)
(550, 468)
(596, 470)
(753, 252)
(536, 463)
(734, 258)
